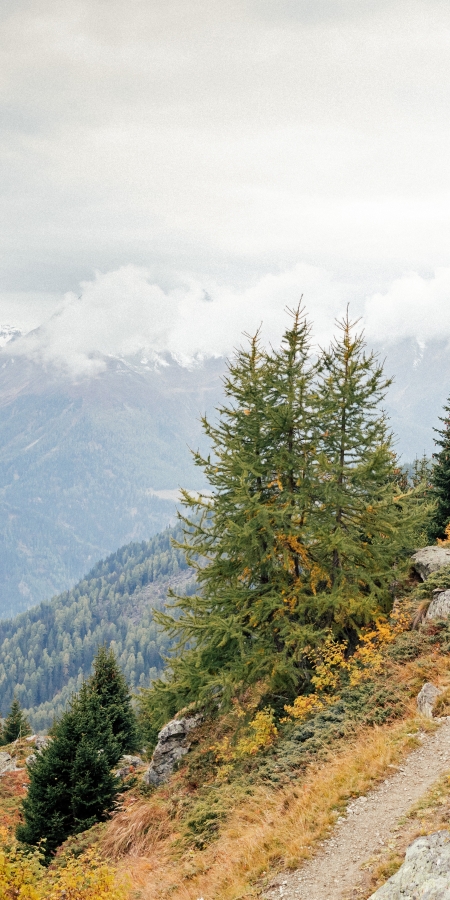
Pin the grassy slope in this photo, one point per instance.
(216, 833)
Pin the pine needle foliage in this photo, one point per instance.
(16, 724)
(364, 521)
(302, 530)
(440, 479)
(71, 783)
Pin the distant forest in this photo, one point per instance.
(46, 652)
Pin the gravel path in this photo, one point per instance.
(335, 871)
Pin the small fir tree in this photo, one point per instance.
(71, 784)
(16, 724)
(440, 480)
(109, 685)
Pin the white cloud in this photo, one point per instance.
(122, 313)
(412, 307)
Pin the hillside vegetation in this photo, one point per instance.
(301, 646)
(46, 652)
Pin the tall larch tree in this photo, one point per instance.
(364, 524)
(246, 540)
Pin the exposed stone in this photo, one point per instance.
(425, 874)
(7, 763)
(173, 744)
(41, 741)
(439, 607)
(124, 771)
(134, 761)
(426, 698)
(31, 759)
(430, 559)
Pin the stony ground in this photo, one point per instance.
(339, 870)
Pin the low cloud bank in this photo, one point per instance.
(122, 313)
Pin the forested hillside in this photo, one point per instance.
(90, 464)
(46, 652)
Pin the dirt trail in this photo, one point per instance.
(334, 873)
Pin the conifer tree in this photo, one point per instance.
(110, 687)
(303, 527)
(363, 522)
(251, 532)
(440, 480)
(16, 724)
(71, 784)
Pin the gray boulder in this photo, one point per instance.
(426, 698)
(7, 763)
(128, 764)
(430, 559)
(134, 761)
(439, 607)
(425, 874)
(173, 744)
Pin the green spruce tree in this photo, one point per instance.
(110, 687)
(16, 724)
(71, 783)
(440, 480)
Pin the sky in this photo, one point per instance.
(174, 173)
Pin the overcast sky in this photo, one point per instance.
(159, 155)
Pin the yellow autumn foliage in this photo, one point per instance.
(86, 877)
(332, 668)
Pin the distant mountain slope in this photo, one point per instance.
(89, 464)
(46, 652)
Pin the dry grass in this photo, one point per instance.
(271, 828)
(137, 829)
(274, 828)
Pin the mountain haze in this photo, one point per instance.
(88, 464)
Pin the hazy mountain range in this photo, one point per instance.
(89, 462)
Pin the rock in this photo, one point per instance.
(426, 698)
(134, 761)
(31, 759)
(425, 874)
(430, 559)
(7, 763)
(124, 771)
(173, 744)
(41, 741)
(439, 607)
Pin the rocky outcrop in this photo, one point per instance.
(425, 874)
(430, 559)
(439, 607)
(426, 699)
(7, 762)
(128, 764)
(173, 744)
(40, 741)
